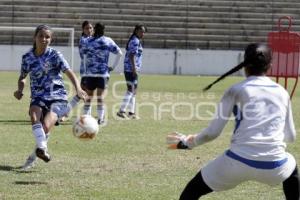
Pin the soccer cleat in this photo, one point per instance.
(132, 115)
(30, 162)
(43, 154)
(100, 122)
(122, 114)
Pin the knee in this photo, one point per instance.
(35, 121)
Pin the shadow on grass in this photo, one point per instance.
(7, 168)
(30, 183)
(15, 169)
(15, 122)
(27, 122)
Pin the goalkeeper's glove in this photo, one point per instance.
(180, 141)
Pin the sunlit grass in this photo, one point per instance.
(128, 160)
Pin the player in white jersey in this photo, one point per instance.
(48, 94)
(264, 123)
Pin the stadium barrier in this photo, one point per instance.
(155, 61)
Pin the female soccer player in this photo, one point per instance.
(132, 65)
(87, 32)
(48, 95)
(96, 71)
(264, 123)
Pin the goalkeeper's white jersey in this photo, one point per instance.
(263, 119)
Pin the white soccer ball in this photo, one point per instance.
(85, 127)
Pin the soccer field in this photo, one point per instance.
(128, 160)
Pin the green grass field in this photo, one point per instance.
(128, 160)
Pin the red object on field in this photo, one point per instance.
(285, 47)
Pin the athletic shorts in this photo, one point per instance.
(91, 83)
(226, 172)
(131, 80)
(57, 106)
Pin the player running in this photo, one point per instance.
(48, 94)
(264, 123)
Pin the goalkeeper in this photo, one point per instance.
(264, 124)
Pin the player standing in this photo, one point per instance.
(132, 65)
(95, 74)
(48, 94)
(87, 32)
(264, 123)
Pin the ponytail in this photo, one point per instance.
(233, 70)
(134, 33)
(257, 59)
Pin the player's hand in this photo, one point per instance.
(18, 94)
(179, 141)
(110, 69)
(82, 94)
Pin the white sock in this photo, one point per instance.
(39, 135)
(33, 154)
(126, 100)
(87, 109)
(74, 102)
(131, 105)
(101, 112)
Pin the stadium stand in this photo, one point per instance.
(181, 24)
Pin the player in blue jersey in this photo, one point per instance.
(87, 32)
(48, 94)
(95, 71)
(132, 66)
(264, 124)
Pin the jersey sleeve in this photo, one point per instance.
(133, 46)
(113, 47)
(289, 128)
(24, 67)
(222, 115)
(81, 47)
(62, 62)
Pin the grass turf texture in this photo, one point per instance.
(128, 160)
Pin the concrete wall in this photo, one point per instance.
(155, 61)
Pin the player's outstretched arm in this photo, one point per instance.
(179, 141)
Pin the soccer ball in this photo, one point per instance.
(85, 127)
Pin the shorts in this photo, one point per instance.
(131, 80)
(91, 83)
(57, 106)
(225, 173)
